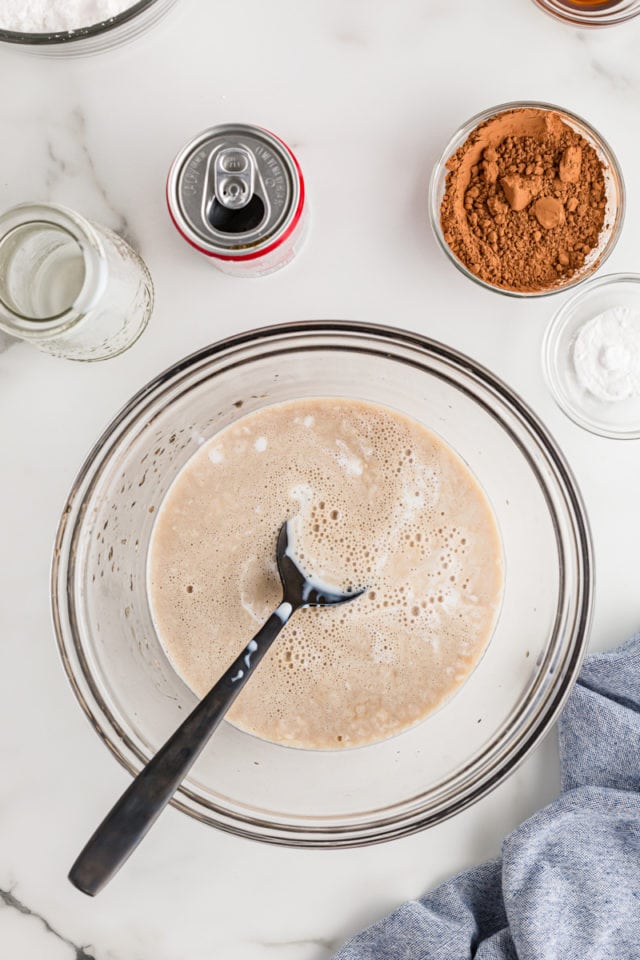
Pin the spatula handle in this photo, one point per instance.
(144, 800)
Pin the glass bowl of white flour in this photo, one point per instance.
(76, 27)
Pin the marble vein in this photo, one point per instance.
(615, 79)
(8, 898)
(60, 167)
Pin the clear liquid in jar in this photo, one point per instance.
(42, 270)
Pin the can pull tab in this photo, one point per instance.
(234, 177)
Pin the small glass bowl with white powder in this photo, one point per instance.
(591, 356)
(76, 27)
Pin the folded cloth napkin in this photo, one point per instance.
(567, 886)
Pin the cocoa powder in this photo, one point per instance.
(525, 201)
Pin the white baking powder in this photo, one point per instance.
(606, 355)
(53, 16)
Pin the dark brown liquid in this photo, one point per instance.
(590, 4)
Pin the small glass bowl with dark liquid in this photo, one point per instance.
(591, 13)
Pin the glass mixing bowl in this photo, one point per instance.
(614, 185)
(134, 699)
(135, 20)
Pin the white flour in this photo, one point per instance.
(606, 355)
(52, 16)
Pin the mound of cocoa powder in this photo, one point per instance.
(525, 200)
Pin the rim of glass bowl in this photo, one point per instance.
(556, 674)
(595, 18)
(461, 135)
(100, 29)
(549, 366)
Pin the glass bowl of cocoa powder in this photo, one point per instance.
(527, 199)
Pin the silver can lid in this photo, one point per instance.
(234, 190)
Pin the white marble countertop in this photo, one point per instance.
(366, 93)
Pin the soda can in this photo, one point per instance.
(236, 193)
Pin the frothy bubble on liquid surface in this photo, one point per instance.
(376, 501)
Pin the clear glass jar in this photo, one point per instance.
(68, 286)
(591, 13)
(131, 23)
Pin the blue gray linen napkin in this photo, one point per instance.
(567, 886)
